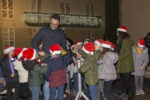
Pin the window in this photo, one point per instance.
(67, 8)
(90, 10)
(62, 8)
(7, 9)
(87, 10)
(8, 37)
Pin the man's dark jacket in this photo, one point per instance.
(48, 38)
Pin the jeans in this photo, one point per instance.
(60, 93)
(0, 97)
(46, 90)
(75, 76)
(92, 89)
(108, 91)
(138, 82)
(67, 85)
(35, 92)
(100, 89)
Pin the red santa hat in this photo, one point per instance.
(19, 52)
(8, 49)
(79, 43)
(122, 29)
(55, 49)
(106, 44)
(89, 48)
(113, 46)
(29, 54)
(99, 42)
(141, 43)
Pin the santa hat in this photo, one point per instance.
(122, 29)
(55, 49)
(8, 49)
(89, 48)
(106, 44)
(141, 43)
(78, 43)
(99, 42)
(29, 54)
(113, 46)
(19, 52)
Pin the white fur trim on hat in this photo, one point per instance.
(142, 46)
(96, 42)
(80, 43)
(8, 50)
(21, 53)
(87, 51)
(106, 46)
(122, 30)
(55, 52)
(34, 55)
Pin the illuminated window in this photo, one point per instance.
(8, 36)
(7, 9)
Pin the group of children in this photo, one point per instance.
(26, 70)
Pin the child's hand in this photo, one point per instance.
(142, 67)
(41, 53)
(12, 75)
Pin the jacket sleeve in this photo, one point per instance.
(63, 41)
(5, 71)
(125, 50)
(84, 68)
(134, 58)
(44, 58)
(36, 39)
(41, 69)
(48, 73)
(146, 58)
(17, 64)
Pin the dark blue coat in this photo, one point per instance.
(6, 70)
(49, 37)
(57, 63)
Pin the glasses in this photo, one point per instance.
(54, 24)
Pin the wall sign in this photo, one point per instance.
(39, 19)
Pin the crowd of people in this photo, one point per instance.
(51, 66)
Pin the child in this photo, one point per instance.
(9, 73)
(36, 69)
(56, 71)
(107, 71)
(100, 87)
(141, 59)
(23, 74)
(89, 69)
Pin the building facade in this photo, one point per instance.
(14, 31)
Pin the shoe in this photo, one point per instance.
(123, 94)
(141, 92)
(137, 92)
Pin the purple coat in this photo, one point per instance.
(140, 60)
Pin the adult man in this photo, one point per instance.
(49, 36)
